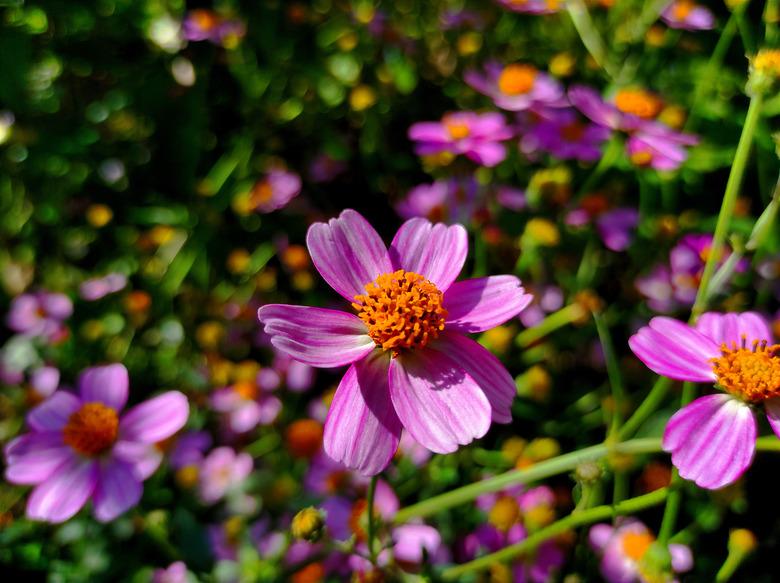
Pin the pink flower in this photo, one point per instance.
(475, 135)
(452, 200)
(712, 440)
(41, 314)
(623, 548)
(246, 405)
(99, 287)
(532, 6)
(688, 15)
(222, 471)
(175, 573)
(517, 87)
(80, 448)
(563, 134)
(274, 191)
(411, 365)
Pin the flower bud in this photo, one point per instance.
(308, 524)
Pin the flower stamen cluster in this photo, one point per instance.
(92, 429)
(749, 373)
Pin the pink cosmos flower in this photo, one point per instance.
(688, 15)
(517, 87)
(202, 24)
(221, 472)
(41, 314)
(275, 190)
(246, 405)
(175, 573)
(99, 287)
(80, 447)
(712, 440)
(563, 134)
(623, 547)
(454, 200)
(532, 6)
(478, 136)
(411, 364)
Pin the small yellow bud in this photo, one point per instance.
(308, 524)
(563, 64)
(541, 232)
(99, 215)
(362, 97)
(469, 43)
(513, 448)
(742, 540)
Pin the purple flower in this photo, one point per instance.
(517, 87)
(189, 449)
(201, 24)
(246, 405)
(688, 15)
(80, 447)
(274, 191)
(99, 287)
(532, 6)
(454, 200)
(175, 573)
(43, 382)
(616, 227)
(325, 168)
(563, 134)
(411, 366)
(221, 472)
(40, 314)
(623, 547)
(659, 147)
(478, 136)
(713, 439)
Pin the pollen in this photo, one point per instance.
(504, 514)
(402, 310)
(639, 103)
(767, 61)
(573, 132)
(682, 9)
(516, 79)
(246, 390)
(750, 373)
(92, 429)
(457, 130)
(635, 544)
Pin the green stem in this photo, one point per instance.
(646, 408)
(556, 320)
(613, 373)
(552, 467)
(371, 519)
(589, 35)
(589, 516)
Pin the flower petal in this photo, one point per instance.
(411, 541)
(105, 384)
(437, 252)
(53, 413)
(362, 429)
(440, 405)
(145, 458)
(65, 492)
(488, 372)
(729, 328)
(674, 349)
(155, 419)
(772, 407)
(32, 458)
(682, 557)
(712, 440)
(118, 489)
(316, 336)
(348, 253)
(476, 305)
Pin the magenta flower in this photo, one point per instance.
(517, 87)
(713, 439)
(532, 6)
(563, 134)
(623, 547)
(44, 381)
(99, 287)
(41, 314)
(202, 24)
(478, 136)
(274, 191)
(453, 200)
(175, 573)
(688, 15)
(246, 405)
(659, 147)
(411, 365)
(222, 471)
(80, 447)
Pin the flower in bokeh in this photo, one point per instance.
(43, 382)
(478, 136)
(99, 287)
(41, 314)
(274, 191)
(175, 573)
(411, 364)
(516, 87)
(562, 133)
(202, 24)
(688, 15)
(624, 547)
(80, 447)
(454, 200)
(246, 405)
(532, 6)
(221, 472)
(712, 440)
(615, 226)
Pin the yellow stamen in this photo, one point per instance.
(638, 102)
(246, 390)
(92, 429)
(635, 544)
(457, 130)
(752, 374)
(682, 8)
(767, 61)
(504, 514)
(516, 79)
(402, 310)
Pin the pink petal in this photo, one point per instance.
(599, 535)
(65, 492)
(437, 252)
(53, 413)
(487, 153)
(118, 489)
(712, 440)
(476, 305)
(486, 370)
(348, 253)
(155, 419)
(410, 540)
(32, 458)
(673, 349)
(144, 458)
(729, 328)
(440, 405)
(682, 558)
(362, 429)
(772, 407)
(316, 336)
(105, 384)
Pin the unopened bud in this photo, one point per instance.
(308, 524)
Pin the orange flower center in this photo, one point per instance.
(767, 61)
(504, 514)
(311, 573)
(246, 390)
(205, 19)
(457, 129)
(262, 192)
(638, 102)
(681, 9)
(92, 429)
(573, 132)
(635, 544)
(358, 519)
(402, 310)
(516, 79)
(752, 374)
(641, 158)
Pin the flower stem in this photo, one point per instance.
(589, 35)
(613, 372)
(371, 518)
(559, 319)
(646, 408)
(557, 528)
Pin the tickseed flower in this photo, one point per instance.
(624, 550)
(41, 314)
(688, 15)
(478, 136)
(80, 447)
(516, 87)
(274, 191)
(712, 440)
(411, 365)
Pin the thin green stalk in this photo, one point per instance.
(646, 408)
(371, 519)
(613, 373)
(552, 467)
(589, 35)
(589, 516)
(556, 320)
